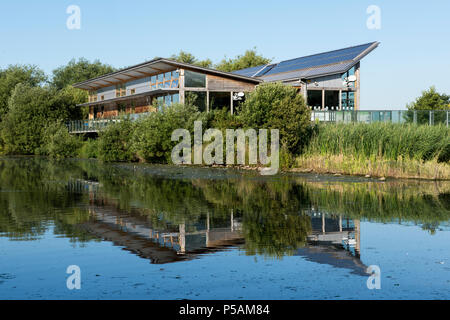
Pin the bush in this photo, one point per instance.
(152, 137)
(277, 106)
(59, 143)
(114, 143)
(89, 149)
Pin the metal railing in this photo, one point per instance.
(96, 125)
(421, 117)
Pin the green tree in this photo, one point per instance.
(114, 143)
(277, 106)
(58, 142)
(13, 75)
(78, 71)
(31, 110)
(186, 57)
(429, 100)
(249, 59)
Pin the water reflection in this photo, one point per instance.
(166, 214)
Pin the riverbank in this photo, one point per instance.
(378, 150)
(376, 168)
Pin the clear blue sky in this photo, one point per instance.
(414, 35)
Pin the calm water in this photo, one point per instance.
(157, 232)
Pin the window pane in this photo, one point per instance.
(175, 74)
(315, 98)
(194, 79)
(176, 98)
(168, 76)
(175, 84)
(167, 100)
(167, 84)
(153, 79)
(160, 77)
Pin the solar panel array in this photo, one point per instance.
(320, 59)
(249, 72)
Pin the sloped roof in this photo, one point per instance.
(153, 67)
(326, 63)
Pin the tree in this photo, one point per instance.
(250, 59)
(26, 74)
(31, 110)
(78, 71)
(278, 106)
(186, 57)
(429, 100)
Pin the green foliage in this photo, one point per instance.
(58, 142)
(114, 143)
(78, 71)
(31, 110)
(277, 106)
(249, 59)
(386, 140)
(12, 76)
(431, 100)
(89, 149)
(186, 57)
(152, 137)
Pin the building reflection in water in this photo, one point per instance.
(333, 240)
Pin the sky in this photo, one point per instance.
(414, 53)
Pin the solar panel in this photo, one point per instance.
(320, 59)
(249, 71)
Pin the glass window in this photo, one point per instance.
(332, 99)
(153, 86)
(167, 84)
(153, 79)
(194, 79)
(220, 100)
(197, 99)
(168, 100)
(175, 84)
(160, 77)
(168, 76)
(160, 85)
(176, 98)
(175, 75)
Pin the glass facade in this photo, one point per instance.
(165, 80)
(194, 79)
(167, 100)
(348, 100)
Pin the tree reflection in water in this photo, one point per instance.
(167, 214)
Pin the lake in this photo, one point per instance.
(159, 232)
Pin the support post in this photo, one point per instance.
(231, 103)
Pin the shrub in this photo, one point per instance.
(114, 143)
(58, 142)
(277, 106)
(152, 136)
(89, 149)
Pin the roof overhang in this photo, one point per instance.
(149, 68)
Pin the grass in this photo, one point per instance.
(380, 150)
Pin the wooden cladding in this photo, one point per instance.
(218, 83)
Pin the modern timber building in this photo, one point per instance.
(328, 81)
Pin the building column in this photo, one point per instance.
(181, 85)
(340, 99)
(231, 103)
(323, 99)
(357, 86)
(182, 238)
